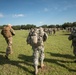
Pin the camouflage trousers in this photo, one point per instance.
(38, 55)
(9, 46)
(74, 50)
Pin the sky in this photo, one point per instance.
(37, 12)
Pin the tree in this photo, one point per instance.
(51, 26)
(74, 24)
(44, 26)
(17, 27)
(66, 25)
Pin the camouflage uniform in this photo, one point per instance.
(72, 37)
(50, 31)
(8, 32)
(38, 50)
(54, 31)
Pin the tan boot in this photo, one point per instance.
(42, 66)
(11, 52)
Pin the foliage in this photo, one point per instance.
(51, 26)
(44, 26)
(18, 27)
(29, 26)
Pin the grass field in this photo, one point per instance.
(58, 56)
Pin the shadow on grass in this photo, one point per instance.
(2, 52)
(60, 62)
(62, 55)
(65, 34)
(26, 60)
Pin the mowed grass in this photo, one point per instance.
(58, 56)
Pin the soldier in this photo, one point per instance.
(50, 31)
(72, 37)
(7, 33)
(54, 31)
(38, 37)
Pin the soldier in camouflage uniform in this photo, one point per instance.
(54, 31)
(50, 31)
(72, 37)
(7, 33)
(38, 49)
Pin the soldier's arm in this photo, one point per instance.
(2, 32)
(70, 37)
(12, 31)
(45, 36)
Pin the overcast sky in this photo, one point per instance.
(37, 12)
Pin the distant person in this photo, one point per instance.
(36, 38)
(50, 31)
(7, 33)
(72, 37)
(54, 31)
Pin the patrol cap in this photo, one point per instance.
(41, 29)
(9, 25)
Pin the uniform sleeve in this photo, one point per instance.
(70, 37)
(45, 37)
(2, 32)
(12, 31)
(28, 39)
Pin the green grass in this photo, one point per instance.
(58, 56)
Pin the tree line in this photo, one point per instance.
(29, 26)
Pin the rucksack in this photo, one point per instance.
(6, 32)
(32, 38)
(36, 37)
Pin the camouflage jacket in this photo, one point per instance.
(72, 37)
(7, 32)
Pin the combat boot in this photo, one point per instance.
(42, 66)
